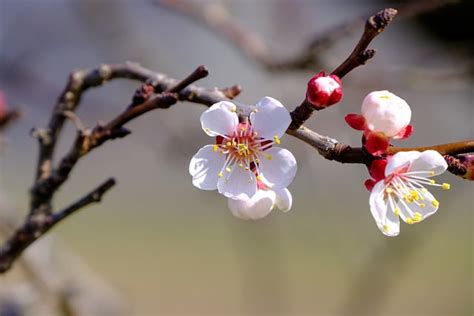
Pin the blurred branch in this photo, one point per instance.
(50, 179)
(8, 118)
(216, 17)
(33, 228)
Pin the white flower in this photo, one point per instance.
(261, 203)
(385, 112)
(403, 194)
(244, 152)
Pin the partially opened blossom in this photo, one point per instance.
(402, 192)
(323, 90)
(244, 150)
(261, 203)
(384, 116)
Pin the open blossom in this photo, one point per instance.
(244, 150)
(261, 203)
(323, 90)
(384, 116)
(402, 193)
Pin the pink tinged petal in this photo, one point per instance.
(220, 119)
(356, 121)
(205, 167)
(278, 167)
(429, 160)
(284, 200)
(376, 143)
(271, 118)
(404, 133)
(399, 160)
(239, 183)
(256, 207)
(378, 206)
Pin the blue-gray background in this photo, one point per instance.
(175, 250)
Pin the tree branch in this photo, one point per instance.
(36, 227)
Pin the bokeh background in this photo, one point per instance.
(170, 249)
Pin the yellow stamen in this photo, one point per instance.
(385, 228)
(385, 96)
(233, 109)
(277, 140)
(228, 144)
(220, 175)
(215, 148)
(410, 221)
(259, 178)
(435, 203)
(432, 181)
(228, 169)
(446, 186)
(269, 157)
(417, 216)
(389, 190)
(432, 173)
(422, 205)
(396, 211)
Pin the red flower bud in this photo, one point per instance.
(324, 91)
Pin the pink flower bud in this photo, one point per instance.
(386, 113)
(323, 90)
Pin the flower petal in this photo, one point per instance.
(240, 183)
(258, 206)
(278, 167)
(378, 206)
(400, 159)
(220, 119)
(271, 118)
(205, 166)
(415, 212)
(284, 200)
(429, 160)
(391, 226)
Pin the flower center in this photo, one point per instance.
(243, 149)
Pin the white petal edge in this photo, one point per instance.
(271, 119)
(220, 119)
(391, 226)
(429, 160)
(240, 183)
(280, 170)
(284, 200)
(258, 206)
(378, 207)
(205, 166)
(400, 159)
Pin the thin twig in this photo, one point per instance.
(38, 226)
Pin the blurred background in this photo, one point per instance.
(158, 246)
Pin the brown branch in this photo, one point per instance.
(8, 118)
(38, 226)
(444, 149)
(374, 25)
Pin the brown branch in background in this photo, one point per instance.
(216, 17)
(50, 179)
(8, 118)
(374, 25)
(34, 228)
